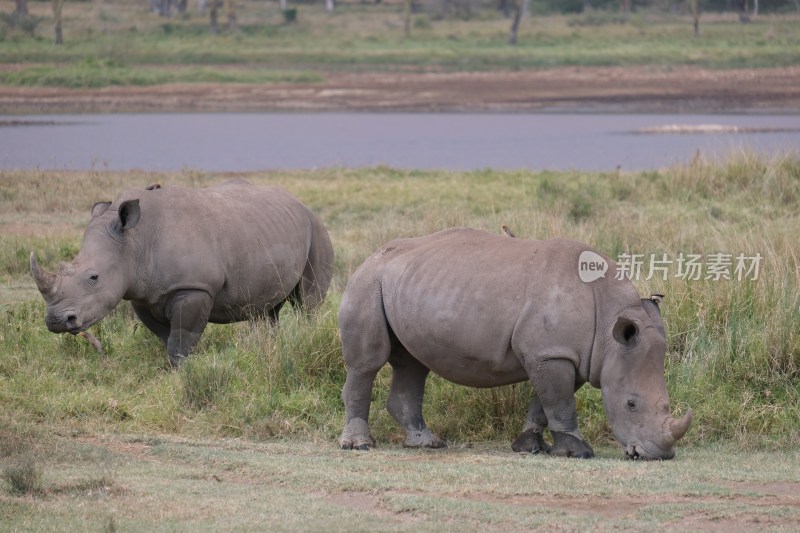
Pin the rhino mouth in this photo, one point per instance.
(638, 452)
(67, 323)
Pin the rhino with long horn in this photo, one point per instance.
(484, 310)
(186, 257)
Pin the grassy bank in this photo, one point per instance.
(734, 346)
(117, 34)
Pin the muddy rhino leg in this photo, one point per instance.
(532, 437)
(554, 383)
(366, 349)
(405, 400)
(188, 313)
(357, 396)
(160, 329)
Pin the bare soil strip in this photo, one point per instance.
(600, 89)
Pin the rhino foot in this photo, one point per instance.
(356, 436)
(423, 439)
(531, 441)
(566, 445)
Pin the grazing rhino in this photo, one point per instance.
(186, 257)
(485, 310)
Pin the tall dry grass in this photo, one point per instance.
(733, 346)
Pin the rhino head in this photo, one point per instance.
(633, 387)
(82, 292)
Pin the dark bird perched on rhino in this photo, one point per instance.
(485, 310)
(186, 257)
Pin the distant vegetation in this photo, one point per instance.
(120, 42)
(733, 352)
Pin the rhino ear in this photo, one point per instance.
(651, 306)
(99, 208)
(626, 332)
(129, 214)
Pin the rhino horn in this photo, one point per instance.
(44, 279)
(679, 426)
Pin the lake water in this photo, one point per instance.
(259, 141)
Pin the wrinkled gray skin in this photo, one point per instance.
(186, 257)
(485, 310)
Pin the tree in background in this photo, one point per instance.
(743, 16)
(22, 8)
(519, 8)
(58, 6)
(162, 7)
(213, 14)
(750, 8)
(230, 9)
(695, 8)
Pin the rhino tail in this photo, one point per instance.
(318, 271)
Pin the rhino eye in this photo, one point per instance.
(631, 404)
(93, 279)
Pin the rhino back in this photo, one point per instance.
(469, 304)
(244, 245)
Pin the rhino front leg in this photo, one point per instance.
(554, 383)
(405, 400)
(532, 437)
(188, 313)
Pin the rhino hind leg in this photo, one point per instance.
(160, 329)
(357, 396)
(405, 400)
(273, 314)
(366, 348)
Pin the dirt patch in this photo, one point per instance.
(133, 448)
(694, 513)
(727, 505)
(367, 503)
(600, 89)
(617, 506)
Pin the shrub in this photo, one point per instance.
(23, 475)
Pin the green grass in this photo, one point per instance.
(366, 38)
(94, 74)
(244, 433)
(733, 352)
